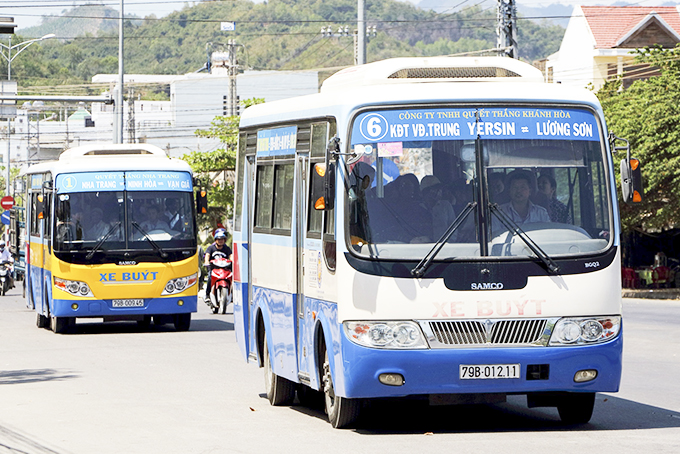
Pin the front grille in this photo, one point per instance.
(488, 332)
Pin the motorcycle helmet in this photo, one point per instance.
(2, 245)
(220, 233)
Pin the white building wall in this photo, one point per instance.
(574, 65)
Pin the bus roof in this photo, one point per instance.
(421, 81)
(107, 156)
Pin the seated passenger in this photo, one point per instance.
(153, 220)
(360, 180)
(439, 207)
(557, 211)
(521, 186)
(497, 192)
(98, 228)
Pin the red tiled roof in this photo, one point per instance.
(611, 23)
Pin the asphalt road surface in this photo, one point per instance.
(110, 388)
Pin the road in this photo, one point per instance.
(110, 388)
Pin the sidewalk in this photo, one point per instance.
(656, 294)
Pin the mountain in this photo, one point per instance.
(78, 21)
(272, 35)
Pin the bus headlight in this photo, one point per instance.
(179, 284)
(392, 335)
(585, 330)
(76, 288)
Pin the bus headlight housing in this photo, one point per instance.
(585, 330)
(75, 288)
(391, 335)
(179, 284)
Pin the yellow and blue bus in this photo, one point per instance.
(111, 233)
(440, 228)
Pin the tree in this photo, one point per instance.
(648, 115)
(209, 165)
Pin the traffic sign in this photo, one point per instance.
(7, 202)
(4, 217)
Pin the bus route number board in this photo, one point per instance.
(128, 303)
(488, 371)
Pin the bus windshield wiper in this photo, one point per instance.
(420, 268)
(513, 227)
(101, 241)
(148, 238)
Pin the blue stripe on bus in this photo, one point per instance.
(103, 308)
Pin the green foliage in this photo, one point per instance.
(209, 165)
(648, 115)
(278, 34)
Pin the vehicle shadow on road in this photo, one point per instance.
(610, 413)
(22, 376)
(212, 324)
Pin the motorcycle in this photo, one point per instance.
(6, 281)
(220, 285)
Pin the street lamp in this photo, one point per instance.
(9, 58)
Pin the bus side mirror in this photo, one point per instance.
(40, 206)
(631, 180)
(202, 201)
(323, 186)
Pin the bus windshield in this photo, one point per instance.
(115, 222)
(484, 182)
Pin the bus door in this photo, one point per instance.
(247, 320)
(302, 181)
(38, 249)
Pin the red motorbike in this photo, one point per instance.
(220, 285)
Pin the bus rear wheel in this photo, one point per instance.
(280, 391)
(576, 408)
(341, 411)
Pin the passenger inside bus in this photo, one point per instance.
(557, 211)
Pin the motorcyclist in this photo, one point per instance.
(6, 256)
(218, 249)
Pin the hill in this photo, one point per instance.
(278, 34)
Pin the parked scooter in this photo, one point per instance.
(220, 285)
(6, 280)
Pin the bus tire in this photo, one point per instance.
(41, 321)
(342, 412)
(182, 322)
(60, 325)
(576, 408)
(280, 391)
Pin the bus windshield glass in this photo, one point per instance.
(125, 222)
(478, 180)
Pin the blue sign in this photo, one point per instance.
(119, 181)
(158, 181)
(90, 182)
(277, 141)
(388, 126)
(4, 217)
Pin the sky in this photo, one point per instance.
(27, 13)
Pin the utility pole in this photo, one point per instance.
(233, 71)
(119, 110)
(361, 35)
(131, 117)
(507, 28)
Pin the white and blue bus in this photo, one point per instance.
(445, 228)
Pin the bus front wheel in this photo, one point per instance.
(280, 391)
(576, 408)
(60, 325)
(341, 411)
(182, 322)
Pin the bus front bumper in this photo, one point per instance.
(115, 308)
(437, 371)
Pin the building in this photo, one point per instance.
(195, 100)
(599, 41)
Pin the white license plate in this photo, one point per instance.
(486, 371)
(128, 303)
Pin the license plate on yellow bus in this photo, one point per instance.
(488, 371)
(128, 303)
